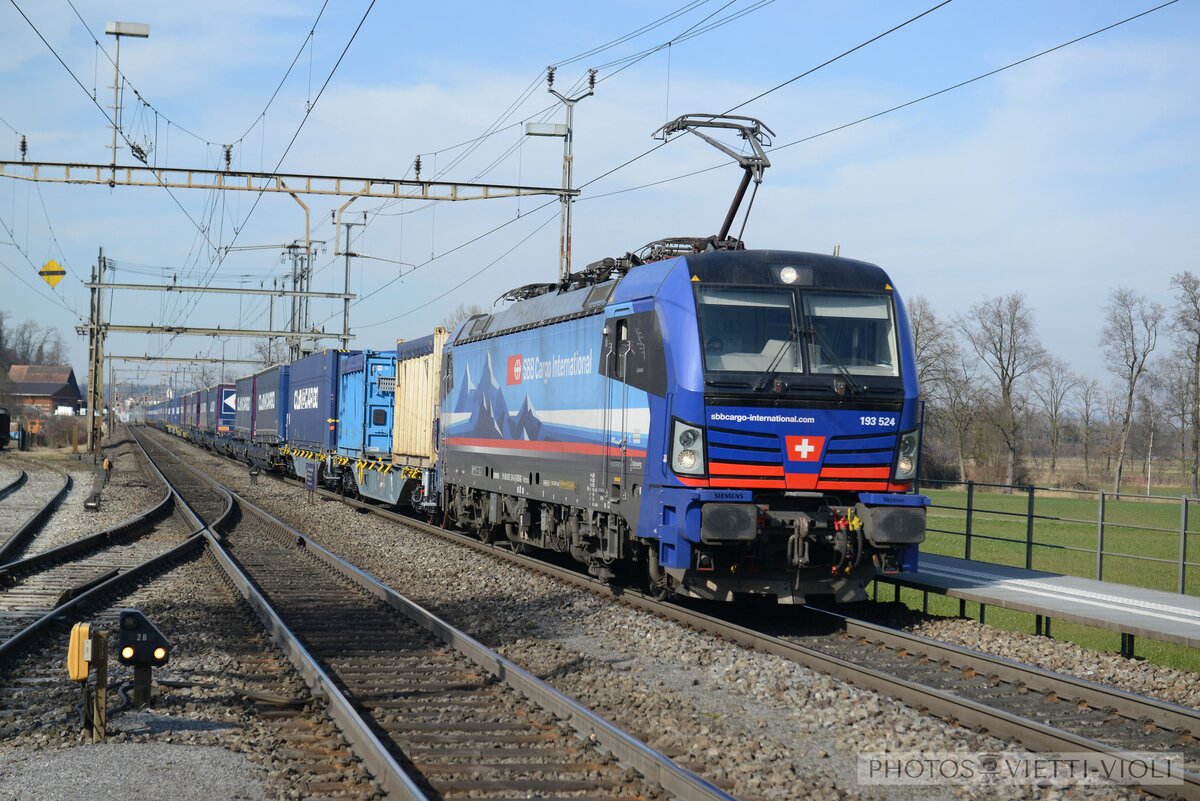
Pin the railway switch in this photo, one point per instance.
(142, 645)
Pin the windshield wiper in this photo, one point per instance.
(773, 367)
(815, 335)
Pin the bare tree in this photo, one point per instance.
(1054, 383)
(4, 358)
(267, 351)
(1149, 404)
(1185, 325)
(205, 376)
(958, 400)
(1002, 334)
(1129, 336)
(460, 313)
(933, 344)
(1089, 397)
(1176, 380)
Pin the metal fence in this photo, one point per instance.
(1011, 535)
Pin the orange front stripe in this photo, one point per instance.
(855, 472)
(802, 481)
(855, 486)
(726, 469)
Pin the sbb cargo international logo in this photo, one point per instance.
(514, 369)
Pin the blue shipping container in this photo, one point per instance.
(366, 402)
(270, 405)
(243, 424)
(226, 405)
(312, 402)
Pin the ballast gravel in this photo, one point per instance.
(131, 490)
(758, 725)
(131, 772)
(1167, 684)
(225, 663)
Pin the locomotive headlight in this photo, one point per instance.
(788, 275)
(687, 449)
(906, 458)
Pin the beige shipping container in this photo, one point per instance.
(418, 381)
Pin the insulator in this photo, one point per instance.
(591, 79)
(228, 155)
(549, 77)
(24, 147)
(417, 166)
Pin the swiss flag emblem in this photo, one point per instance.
(804, 449)
(514, 369)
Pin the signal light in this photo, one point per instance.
(139, 642)
(142, 645)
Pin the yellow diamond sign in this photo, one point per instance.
(52, 272)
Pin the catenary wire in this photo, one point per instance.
(308, 112)
(105, 113)
(549, 219)
(876, 115)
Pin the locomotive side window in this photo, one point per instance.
(746, 329)
(855, 332)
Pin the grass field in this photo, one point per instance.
(1141, 544)
(1141, 537)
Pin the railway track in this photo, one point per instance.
(209, 503)
(431, 712)
(261, 691)
(1042, 710)
(32, 587)
(26, 505)
(41, 591)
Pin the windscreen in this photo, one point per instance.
(744, 329)
(851, 332)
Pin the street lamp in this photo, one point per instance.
(138, 30)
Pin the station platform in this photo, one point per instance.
(1131, 611)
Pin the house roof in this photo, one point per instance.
(43, 373)
(43, 380)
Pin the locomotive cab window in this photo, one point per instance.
(851, 332)
(744, 329)
(379, 417)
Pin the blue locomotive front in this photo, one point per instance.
(731, 422)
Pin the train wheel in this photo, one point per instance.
(658, 582)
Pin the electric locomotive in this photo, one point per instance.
(733, 421)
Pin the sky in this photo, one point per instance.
(1062, 177)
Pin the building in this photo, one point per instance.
(43, 389)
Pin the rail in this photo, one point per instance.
(1122, 719)
(1135, 711)
(377, 757)
(17, 541)
(14, 485)
(87, 597)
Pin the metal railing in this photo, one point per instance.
(984, 522)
